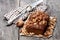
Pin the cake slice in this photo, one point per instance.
(37, 24)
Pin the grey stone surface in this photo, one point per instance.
(7, 32)
(11, 32)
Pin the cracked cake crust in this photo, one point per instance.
(41, 30)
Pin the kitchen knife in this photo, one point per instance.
(28, 8)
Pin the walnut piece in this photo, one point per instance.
(19, 23)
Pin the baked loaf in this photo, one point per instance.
(37, 22)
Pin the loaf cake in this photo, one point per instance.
(38, 24)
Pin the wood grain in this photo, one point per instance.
(7, 32)
(11, 32)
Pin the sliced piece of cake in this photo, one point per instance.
(37, 24)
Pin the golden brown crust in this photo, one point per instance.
(49, 30)
(37, 22)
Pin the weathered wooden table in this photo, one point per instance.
(11, 32)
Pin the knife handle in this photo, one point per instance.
(13, 12)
